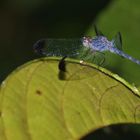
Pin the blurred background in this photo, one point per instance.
(24, 22)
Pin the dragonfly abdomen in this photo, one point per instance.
(121, 53)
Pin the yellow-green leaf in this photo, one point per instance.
(38, 102)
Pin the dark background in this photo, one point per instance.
(23, 22)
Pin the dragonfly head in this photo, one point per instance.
(87, 41)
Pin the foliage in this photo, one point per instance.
(40, 102)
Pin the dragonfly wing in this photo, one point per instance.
(58, 47)
(98, 32)
(118, 41)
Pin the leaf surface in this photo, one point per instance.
(37, 101)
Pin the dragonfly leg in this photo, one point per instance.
(103, 60)
(62, 65)
(88, 55)
(98, 58)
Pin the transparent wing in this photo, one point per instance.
(118, 41)
(58, 47)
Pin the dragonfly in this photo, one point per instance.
(85, 48)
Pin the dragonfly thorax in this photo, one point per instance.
(87, 42)
(98, 43)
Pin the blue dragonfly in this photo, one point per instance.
(86, 48)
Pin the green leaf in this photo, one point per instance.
(37, 103)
